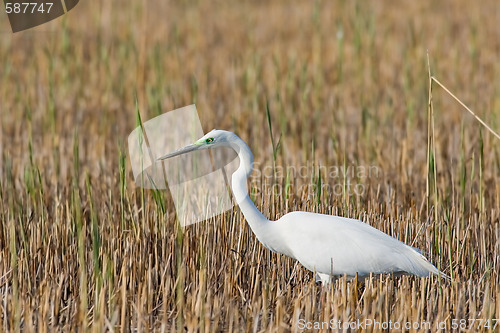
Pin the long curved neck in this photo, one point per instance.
(239, 185)
(264, 229)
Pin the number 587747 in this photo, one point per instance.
(28, 7)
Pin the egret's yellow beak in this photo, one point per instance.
(184, 150)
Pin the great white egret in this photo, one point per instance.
(325, 244)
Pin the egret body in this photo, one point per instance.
(325, 244)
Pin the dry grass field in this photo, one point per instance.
(82, 248)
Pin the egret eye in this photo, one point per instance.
(209, 140)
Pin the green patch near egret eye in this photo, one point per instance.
(205, 142)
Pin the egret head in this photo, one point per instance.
(213, 139)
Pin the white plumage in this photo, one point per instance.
(325, 244)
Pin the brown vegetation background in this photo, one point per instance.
(347, 86)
